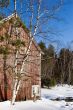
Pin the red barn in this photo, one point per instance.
(32, 68)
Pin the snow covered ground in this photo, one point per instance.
(45, 103)
(59, 91)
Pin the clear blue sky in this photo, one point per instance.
(65, 26)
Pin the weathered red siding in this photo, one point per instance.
(32, 70)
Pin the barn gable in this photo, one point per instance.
(11, 19)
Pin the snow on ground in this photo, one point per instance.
(38, 105)
(61, 91)
(45, 103)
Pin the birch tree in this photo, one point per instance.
(39, 15)
(35, 28)
(17, 79)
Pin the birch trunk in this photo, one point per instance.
(18, 82)
(15, 90)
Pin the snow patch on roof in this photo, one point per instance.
(7, 18)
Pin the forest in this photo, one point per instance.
(56, 68)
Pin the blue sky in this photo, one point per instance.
(64, 27)
(67, 25)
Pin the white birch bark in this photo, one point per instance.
(14, 92)
(16, 78)
(18, 82)
(15, 81)
(15, 71)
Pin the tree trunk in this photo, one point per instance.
(69, 77)
(5, 79)
(15, 90)
(1, 94)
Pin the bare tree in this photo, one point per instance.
(39, 17)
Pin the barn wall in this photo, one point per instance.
(32, 69)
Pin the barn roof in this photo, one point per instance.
(10, 17)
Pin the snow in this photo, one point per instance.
(61, 91)
(45, 103)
